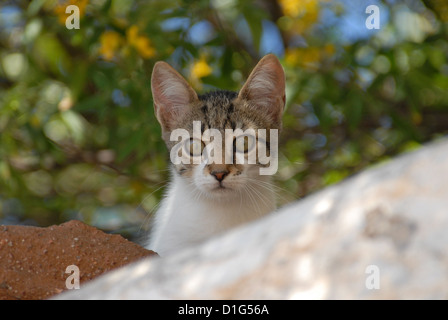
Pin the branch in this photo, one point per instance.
(230, 37)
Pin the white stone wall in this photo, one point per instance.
(390, 220)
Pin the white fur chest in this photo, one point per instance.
(185, 217)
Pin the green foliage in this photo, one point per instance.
(78, 136)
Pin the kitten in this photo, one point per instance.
(208, 198)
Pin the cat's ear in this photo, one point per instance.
(265, 87)
(171, 93)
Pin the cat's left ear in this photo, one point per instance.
(265, 87)
(172, 95)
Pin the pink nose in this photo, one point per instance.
(219, 175)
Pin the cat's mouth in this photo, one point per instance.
(221, 189)
(218, 188)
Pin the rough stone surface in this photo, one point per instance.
(33, 260)
(392, 218)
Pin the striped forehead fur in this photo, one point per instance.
(224, 110)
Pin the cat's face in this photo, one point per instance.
(258, 106)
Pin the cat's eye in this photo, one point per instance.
(194, 147)
(244, 143)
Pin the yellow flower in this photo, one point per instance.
(141, 43)
(291, 57)
(303, 12)
(144, 48)
(201, 69)
(290, 7)
(310, 57)
(110, 42)
(295, 8)
(60, 8)
(132, 34)
(307, 58)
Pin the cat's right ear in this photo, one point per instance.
(171, 93)
(265, 87)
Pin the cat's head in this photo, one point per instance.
(258, 105)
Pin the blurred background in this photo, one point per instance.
(78, 136)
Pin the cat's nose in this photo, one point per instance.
(219, 175)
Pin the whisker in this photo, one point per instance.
(279, 192)
(257, 193)
(148, 214)
(253, 200)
